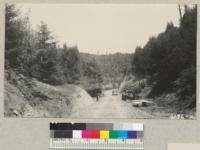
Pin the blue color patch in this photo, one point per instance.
(132, 134)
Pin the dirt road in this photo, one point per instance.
(110, 106)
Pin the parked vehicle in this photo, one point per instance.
(129, 95)
(143, 103)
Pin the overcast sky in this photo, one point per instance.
(103, 27)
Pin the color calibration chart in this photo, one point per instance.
(96, 136)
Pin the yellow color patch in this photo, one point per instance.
(104, 134)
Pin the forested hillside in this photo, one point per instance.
(168, 61)
(112, 67)
(35, 54)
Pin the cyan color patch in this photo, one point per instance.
(122, 134)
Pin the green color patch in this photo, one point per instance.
(113, 134)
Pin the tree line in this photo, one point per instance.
(169, 60)
(113, 67)
(35, 54)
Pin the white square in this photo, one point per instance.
(138, 127)
(77, 134)
(127, 126)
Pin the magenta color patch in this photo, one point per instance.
(86, 134)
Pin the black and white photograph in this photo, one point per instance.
(127, 61)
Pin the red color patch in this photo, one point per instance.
(95, 134)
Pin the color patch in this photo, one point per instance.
(113, 134)
(118, 126)
(51, 133)
(68, 133)
(59, 134)
(77, 134)
(108, 126)
(95, 134)
(86, 134)
(140, 134)
(104, 134)
(132, 134)
(127, 126)
(63, 134)
(122, 134)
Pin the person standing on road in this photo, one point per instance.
(97, 96)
